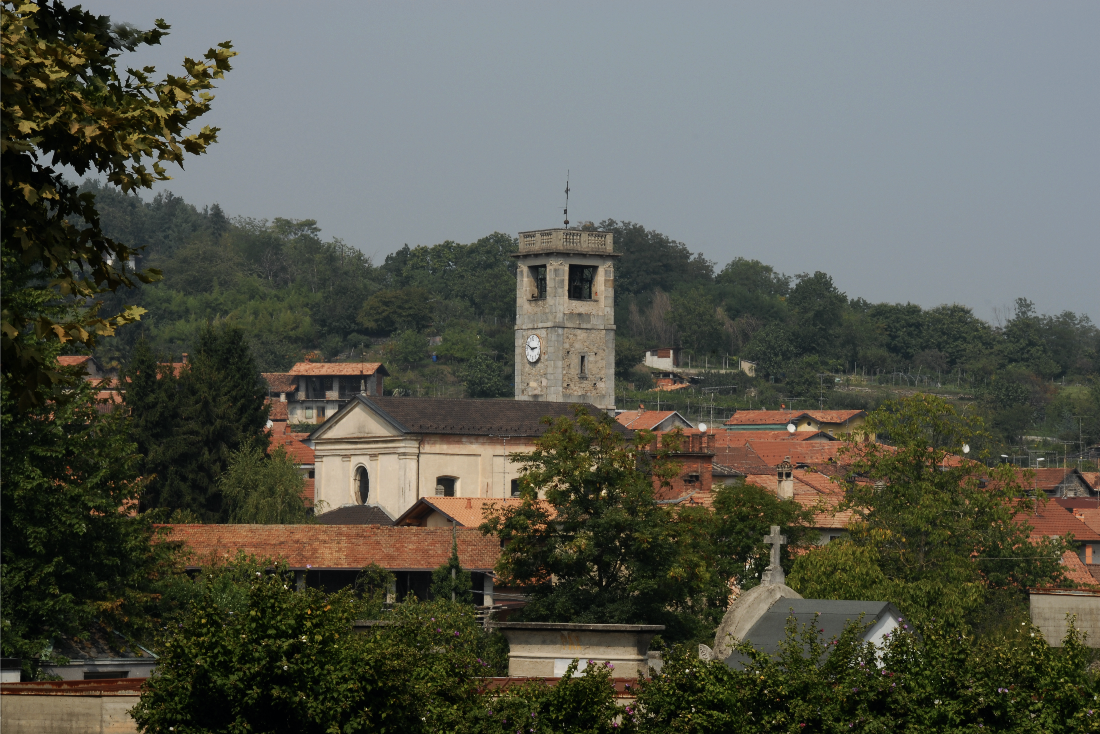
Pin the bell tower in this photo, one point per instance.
(565, 317)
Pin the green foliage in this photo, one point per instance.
(388, 311)
(484, 377)
(628, 355)
(187, 426)
(772, 348)
(697, 323)
(939, 681)
(932, 536)
(287, 661)
(743, 515)
(451, 581)
(599, 549)
(71, 550)
(409, 347)
(66, 105)
(263, 490)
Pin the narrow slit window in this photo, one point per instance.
(581, 278)
(538, 276)
(515, 488)
(584, 364)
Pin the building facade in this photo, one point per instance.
(315, 390)
(565, 317)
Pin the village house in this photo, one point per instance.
(315, 390)
(652, 420)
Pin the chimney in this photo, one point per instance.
(785, 479)
(469, 504)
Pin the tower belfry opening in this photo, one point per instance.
(565, 316)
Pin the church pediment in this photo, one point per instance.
(355, 419)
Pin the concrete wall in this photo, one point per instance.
(1050, 608)
(69, 713)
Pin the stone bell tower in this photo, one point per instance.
(565, 317)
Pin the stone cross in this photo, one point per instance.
(773, 574)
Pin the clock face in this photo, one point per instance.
(534, 348)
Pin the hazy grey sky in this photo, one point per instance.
(925, 152)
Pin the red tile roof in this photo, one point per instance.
(279, 381)
(801, 452)
(1046, 479)
(638, 420)
(813, 491)
(279, 411)
(1093, 478)
(1054, 520)
(292, 443)
(1090, 516)
(1076, 570)
(834, 416)
(337, 368)
(743, 436)
(764, 417)
(72, 361)
(467, 511)
(339, 546)
(741, 458)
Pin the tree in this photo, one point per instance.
(450, 581)
(599, 549)
(773, 349)
(933, 535)
(696, 321)
(628, 355)
(73, 550)
(389, 311)
(409, 347)
(818, 308)
(65, 105)
(483, 377)
(263, 490)
(189, 424)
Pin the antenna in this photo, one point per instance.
(567, 198)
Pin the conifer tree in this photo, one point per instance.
(451, 581)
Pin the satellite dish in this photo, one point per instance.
(791, 428)
(966, 448)
(702, 427)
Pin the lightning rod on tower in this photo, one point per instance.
(567, 198)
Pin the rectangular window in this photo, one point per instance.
(309, 414)
(584, 365)
(538, 275)
(581, 278)
(445, 486)
(515, 489)
(327, 382)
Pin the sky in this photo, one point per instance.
(935, 152)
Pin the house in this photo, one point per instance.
(314, 390)
(833, 422)
(652, 420)
(331, 556)
(1055, 482)
(390, 452)
(695, 456)
(667, 358)
(1052, 520)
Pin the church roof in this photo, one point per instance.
(464, 417)
(338, 547)
(355, 515)
(830, 616)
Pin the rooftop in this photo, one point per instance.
(565, 240)
(637, 420)
(466, 511)
(775, 417)
(464, 417)
(1053, 520)
(337, 368)
(339, 547)
(279, 381)
(355, 515)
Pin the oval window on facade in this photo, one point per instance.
(362, 485)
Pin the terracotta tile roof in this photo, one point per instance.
(279, 411)
(835, 416)
(1047, 479)
(73, 360)
(340, 546)
(1054, 520)
(801, 452)
(742, 459)
(814, 491)
(292, 443)
(504, 417)
(337, 368)
(1093, 478)
(467, 511)
(279, 381)
(743, 436)
(309, 491)
(1090, 516)
(637, 420)
(764, 417)
(355, 515)
(1076, 570)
